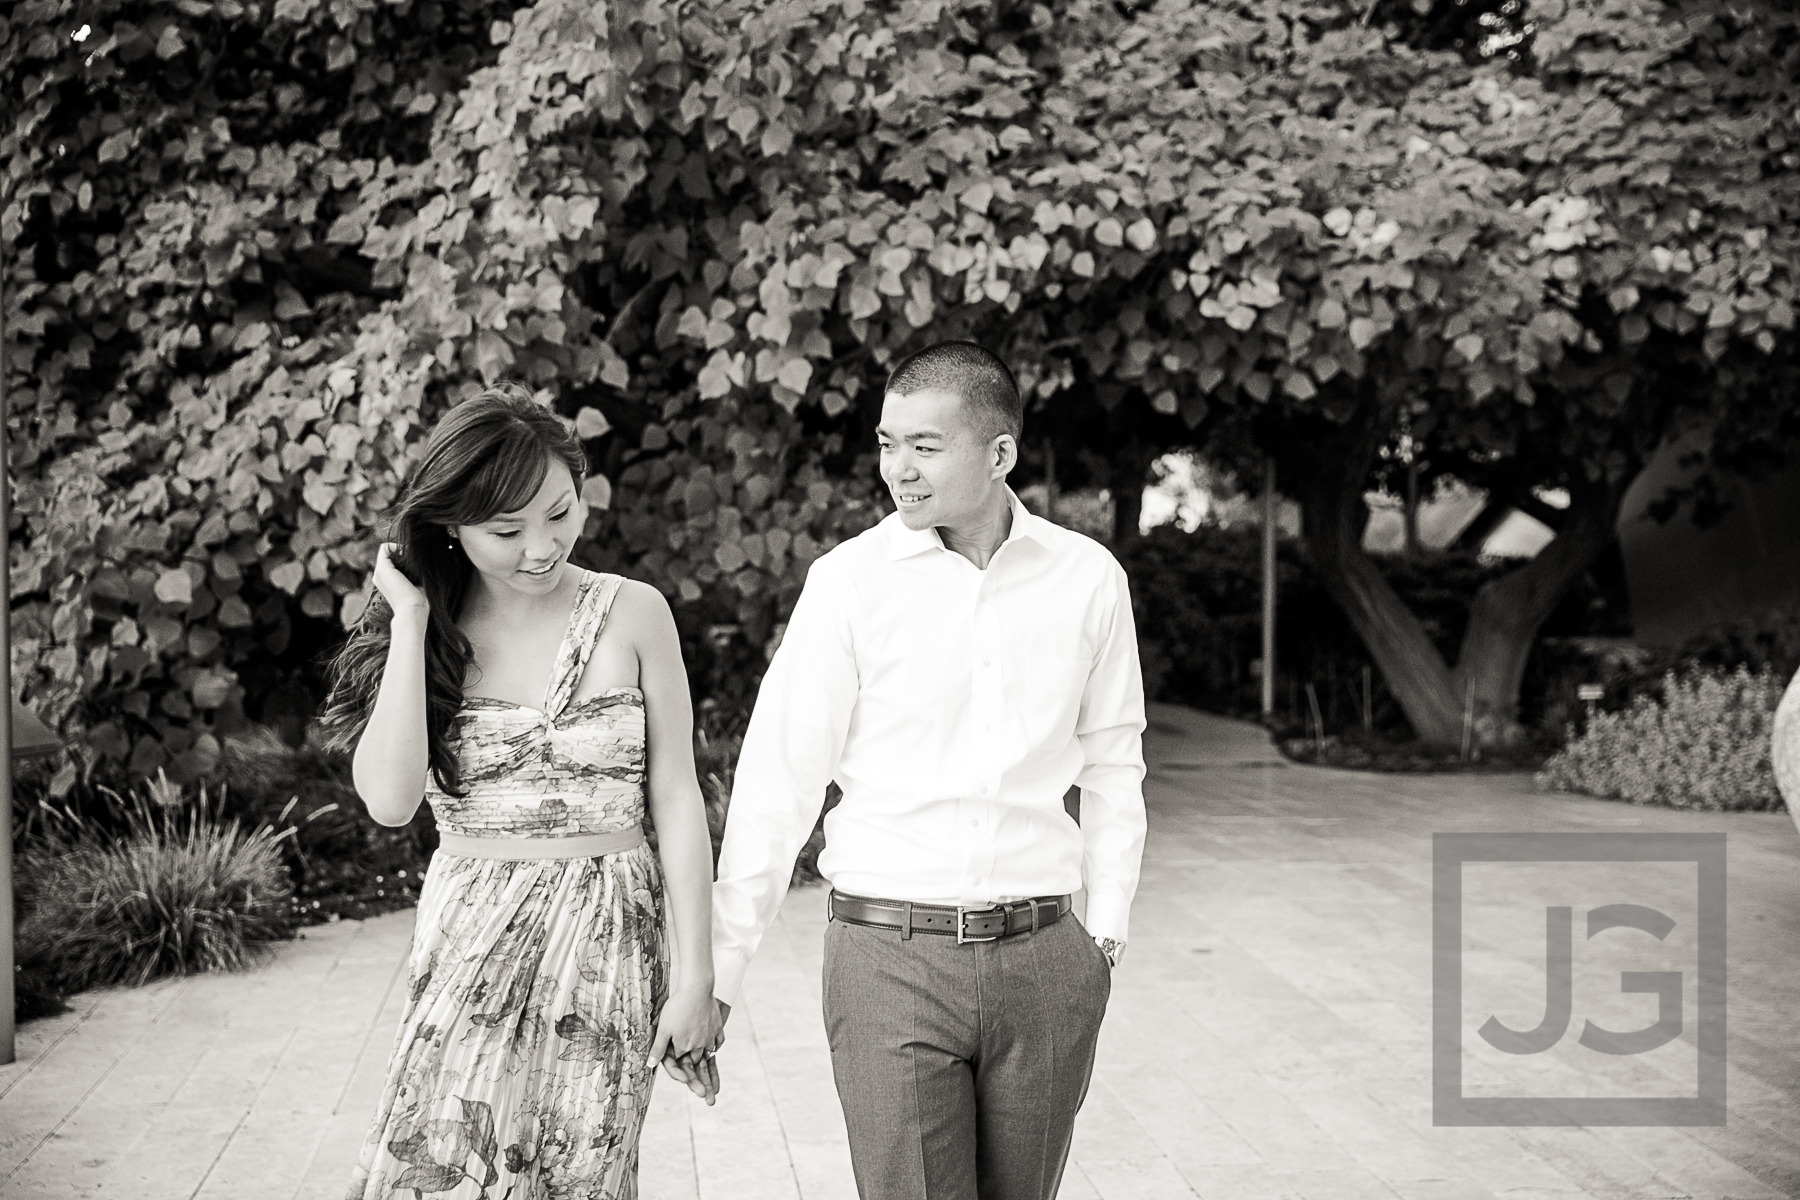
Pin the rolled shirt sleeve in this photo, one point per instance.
(1110, 729)
(790, 753)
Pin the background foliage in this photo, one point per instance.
(1198, 603)
(261, 244)
(181, 888)
(1703, 743)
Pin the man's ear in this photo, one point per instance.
(1005, 455)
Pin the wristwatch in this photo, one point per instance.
(1114, 950)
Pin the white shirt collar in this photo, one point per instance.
(904, 543)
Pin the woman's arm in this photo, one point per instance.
(689, 1019)
(393, 753)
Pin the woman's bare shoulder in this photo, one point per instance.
(641, 608)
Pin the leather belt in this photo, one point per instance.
(515, 849)
(987, 924)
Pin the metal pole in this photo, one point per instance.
(1268, 590)
(6, 693)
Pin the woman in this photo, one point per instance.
(533, 704)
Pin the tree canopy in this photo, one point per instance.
(261, 245)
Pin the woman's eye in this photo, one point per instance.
(506, 533)
(559, 516)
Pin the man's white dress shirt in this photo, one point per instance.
(954, 706)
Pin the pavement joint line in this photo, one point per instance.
(193, 1067)
(787, 1149)
(62, 1037)
(693, 1150)
(143, 1033)
(374, 1022)
(249, 1108)
(337, 1107)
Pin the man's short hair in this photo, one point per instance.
(976, 375)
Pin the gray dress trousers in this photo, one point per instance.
(961, 1067)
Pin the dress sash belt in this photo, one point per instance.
(512, 849)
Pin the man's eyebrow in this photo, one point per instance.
(920, 436)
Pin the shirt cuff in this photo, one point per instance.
(1107, 916)
(728, 975)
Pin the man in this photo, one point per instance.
(955, 669)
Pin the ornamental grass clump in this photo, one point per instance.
(179, 889)
(1703, 743)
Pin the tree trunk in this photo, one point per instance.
(1507, 612)
(1483, 689)
(1412, 510)
(1131, 474)
(1335, 512)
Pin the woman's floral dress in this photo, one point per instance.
(534, 985)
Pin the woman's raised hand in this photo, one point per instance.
(403, 595)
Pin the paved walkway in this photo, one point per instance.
(1269, 1034)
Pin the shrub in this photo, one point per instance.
(1767, 638)
(1704, 743)
(183, 890)
(36, 990)
(341, 862)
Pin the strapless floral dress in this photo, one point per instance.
(534, 985)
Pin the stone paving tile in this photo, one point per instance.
(45, 1092)
(1269, 1035)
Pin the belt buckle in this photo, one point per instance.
(962, 915)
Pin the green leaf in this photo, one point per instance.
(795, 374)
(116, 147)
(591, 423)
(613, 371)
(288, 576)
(174, 587)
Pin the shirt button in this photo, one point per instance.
(974, 824)
(984, 789)
(987, 662)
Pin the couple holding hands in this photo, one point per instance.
(955, 669)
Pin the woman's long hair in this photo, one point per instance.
(488, 455)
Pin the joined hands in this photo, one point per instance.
(696, 1066)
